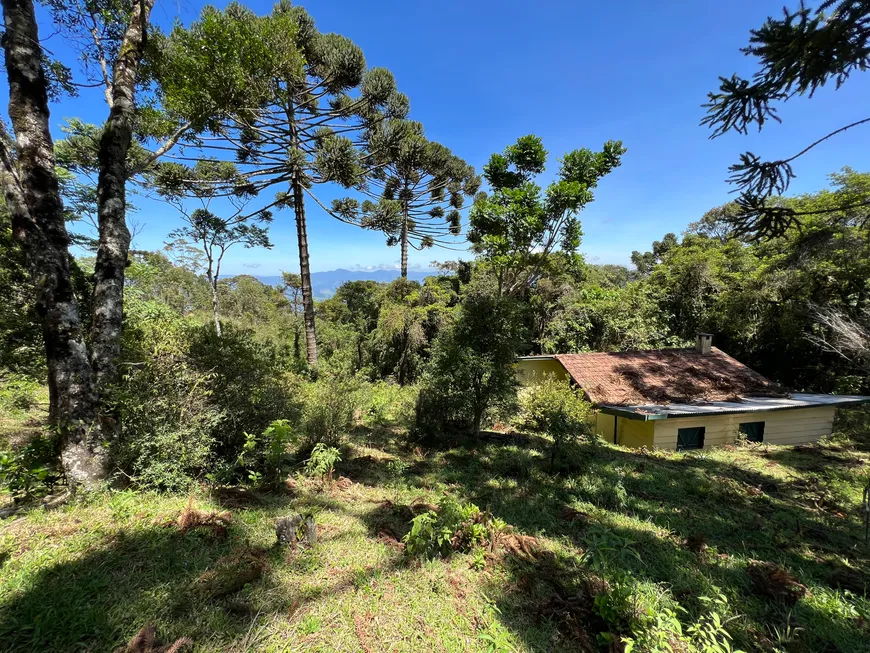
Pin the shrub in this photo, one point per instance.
(453, 527)
(551, 405)
(471, 372)
(328, 409)
(248, 383)
(390, 403)
(30, 469)
(187, 399)
(322, 461)
(264, 457)
(18, 392)
(660, 631)
(396, 470)
(168, 423)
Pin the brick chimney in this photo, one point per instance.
(703, 342)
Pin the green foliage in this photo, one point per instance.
(515, 229)
(422, 187)
(265, 457)
(390, 403)
(550, 405)
(21, 347)
(329, 408)
(471, 373)
(249, 381)
(453, 527)
(591, 318)
(607, 551)
(660, 630)
(169, 419)
(186, 403)
(30, 469)
(18, 392)
(386, 330)
(797, 54)
(396, 469)
(775, 302)
(322, 461)
(654, 626)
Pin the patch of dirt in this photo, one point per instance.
(776, 583)
(418, 507)
(192, 519)
(360, 625)
(389, 539)
(236, 497)
(696, 543)
(573, 614)
(570, 514)
(849, 579)
(389, 523)
(233, 571)
(145, 641)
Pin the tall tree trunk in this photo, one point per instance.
(33, 195)
(305, 273)
(215, 308)
(302, 240)
(112, 201)
(404, 243)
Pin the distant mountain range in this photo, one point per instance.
(324, 284)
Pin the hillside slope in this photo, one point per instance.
(617, 544)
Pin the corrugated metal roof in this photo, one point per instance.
(744, 405)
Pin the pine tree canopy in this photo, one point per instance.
(798, 53)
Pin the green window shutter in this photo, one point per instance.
(754, 431)
(692, 438)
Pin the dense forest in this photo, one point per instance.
(140, 382)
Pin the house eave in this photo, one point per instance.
(746, 405)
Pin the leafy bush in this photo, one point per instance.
(27, 470)
(550, 405)
(264, 457)
(248, 383)
(328, 409)
(322, 461)
(471, 372)
(169, 423)
(18, 392)
(389, 403)
(187, 398)
(660, 631)
(396, 469)
(453, 527)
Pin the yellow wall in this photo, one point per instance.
(529, 370)
(793, 426)
(632, 432)
(604, 426)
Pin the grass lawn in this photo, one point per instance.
(675, 527)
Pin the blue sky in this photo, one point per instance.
(480, 74)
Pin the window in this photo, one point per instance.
(754, 431)
(692, 438)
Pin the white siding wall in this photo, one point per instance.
(793, 426)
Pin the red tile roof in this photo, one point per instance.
(664, 376)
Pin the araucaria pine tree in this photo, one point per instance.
(419, 188)
(308, 102)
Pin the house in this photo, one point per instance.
(688, 398)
